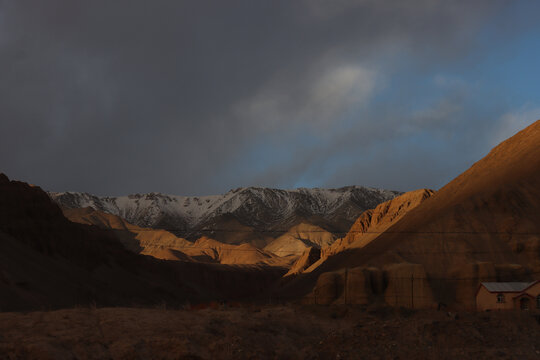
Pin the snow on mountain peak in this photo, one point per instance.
(252, 206)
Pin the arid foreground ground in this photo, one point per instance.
(279, 332)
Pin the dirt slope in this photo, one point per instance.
(210, 250)
(370, 225)
(165, 245)
(484, 225)
(374, 222)
(367, 227)
(299, 238)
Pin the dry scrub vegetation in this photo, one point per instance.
(277, 332)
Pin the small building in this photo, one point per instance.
(508, 295)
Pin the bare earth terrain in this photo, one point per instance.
(277, 332)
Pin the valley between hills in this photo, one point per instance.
(348, 248)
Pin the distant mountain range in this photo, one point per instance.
(258, 213)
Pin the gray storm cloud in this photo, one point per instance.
(115, 97)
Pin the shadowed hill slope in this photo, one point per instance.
(309, 257)
(139, 240)
(484, 225)
(47, 261)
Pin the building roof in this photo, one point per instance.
(522, 295)
(507, 286)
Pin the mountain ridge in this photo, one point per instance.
(262, 209)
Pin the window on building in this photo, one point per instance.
(500, 298)
(524, 303)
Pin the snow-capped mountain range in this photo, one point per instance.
(262, 209)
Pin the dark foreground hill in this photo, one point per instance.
(46, 261)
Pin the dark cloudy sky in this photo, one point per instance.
(198, 97)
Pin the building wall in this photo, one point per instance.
(534, 291)
(486, 300)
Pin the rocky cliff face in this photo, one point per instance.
(400, 285)
(266, 212)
